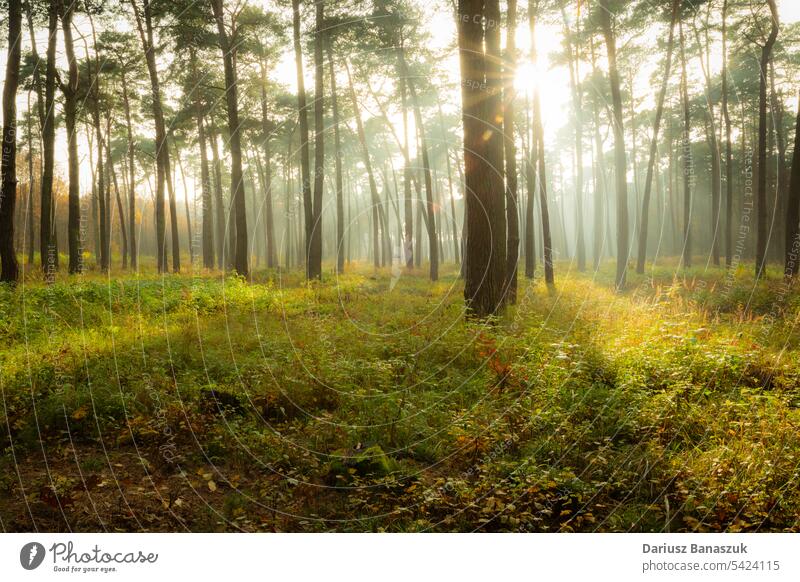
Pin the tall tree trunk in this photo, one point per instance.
(95, 212)
(47, 240)
(304, 141)
(120, 210)
(453, 223)
(485, 257)
(782, 176)
(408, 245)
(240, 253)
(373, 187)
(269, 226)
(651, 164)
(315, 245)
(173, 212)
(29, 210)
(162, 153)
(577, 98)
(686, 154)
(761, 193)
(220, 240)
(512, 221)
(70, 90)
(599, 168)
(711, 136)
(619, 146)
(728, 143)
(338, 163)
(530, 183)
(205, 179)
(133, 249)
(287, 210)
(426, 169)
(9, 268)
(793, 207)
(538, 145)
(189, 232)
(105, 259)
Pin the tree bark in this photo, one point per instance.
(728, 143)
(338, 163)
(793, 207)
(481, 89)
(512, 220)
(651, 164)
(240, 252)
(686, 154)
(269, 226)
(304, 140)
(47, 239)
(120, 210)
(315, 245)
(577, 98)
(70, 90)
(373, 187)
(761, 200)
(9, 268)
(162, 153)
(223, 249)
(132, 248)
(538, 145)
(426, 170)
(619, 146)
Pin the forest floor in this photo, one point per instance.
(369, 403)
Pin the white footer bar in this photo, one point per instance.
(400, 557)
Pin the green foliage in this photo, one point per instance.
(343, 405)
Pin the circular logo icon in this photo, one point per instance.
(31, 555)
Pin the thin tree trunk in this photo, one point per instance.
(512, 221)
(793, 207)
(304, 139)
(619, 146)
(189, 231)
(162, 153)
(269, 226)
(530, 182)
(29, 210)
(338, 163)
(70, 90)
(238, 207)
(47, 245)
(538, 138)
(120, 207)
(430, 212)
(651, 164)
(761, 200)
(728, 143)
(577, 97)
(688, 166)
(711, 134)
(373, 188)
(133, 250)
(315, 245)
(221, 241)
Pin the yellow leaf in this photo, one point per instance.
(80, 413)
(212, 486)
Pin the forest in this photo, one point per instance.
(400, 266)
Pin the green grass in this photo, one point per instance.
(210, 404)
